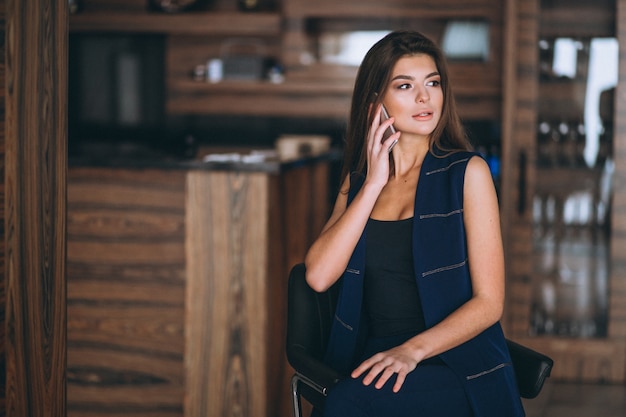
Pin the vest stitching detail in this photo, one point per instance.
(343, 323)
(353, 271)
(430, 216)
(436, 171)
(488, 371)
(444, 268)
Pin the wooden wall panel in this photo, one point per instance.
(3, 298)
(519, 121)
(126, 284)
(35, 176)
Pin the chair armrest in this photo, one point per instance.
(312, 368)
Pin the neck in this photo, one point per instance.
(407, 161)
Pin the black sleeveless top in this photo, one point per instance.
(392, 300)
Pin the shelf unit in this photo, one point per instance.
(197, 23)
(532, 99)
(477, 85)
(288, 99)
(310, 89)
(424, 9)
(598, 21)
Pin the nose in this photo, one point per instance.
(422, 96)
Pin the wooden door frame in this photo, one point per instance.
(35, 167)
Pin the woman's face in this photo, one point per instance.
(414, 96)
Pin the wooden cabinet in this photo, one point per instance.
(563, 214)
(177, 282)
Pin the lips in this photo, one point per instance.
(423, 115)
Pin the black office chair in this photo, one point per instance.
(309, 318)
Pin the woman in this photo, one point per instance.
(415, 237)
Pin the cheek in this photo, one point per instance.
(438, 99)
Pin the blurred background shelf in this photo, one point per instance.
(291, 98)
(197, 23)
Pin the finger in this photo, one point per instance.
(365, 365)
(378, 122)
(399, 381)
(359, 370)
(371, 375)
(374, 134)
(392, 142)
(374, 372)
(376, 119)
(384, 377)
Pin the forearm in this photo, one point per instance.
(328, 256)
(468, 321)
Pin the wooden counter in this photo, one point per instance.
(177, 287)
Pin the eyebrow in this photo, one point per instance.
(408, 77)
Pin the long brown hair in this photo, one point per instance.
(374, 75)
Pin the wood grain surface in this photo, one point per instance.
(227, 227)
(177, 284)
(3, 298)
(126, 280)
(34, 203)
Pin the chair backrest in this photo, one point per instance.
(531, 368)
(309, 315)
(309, 319)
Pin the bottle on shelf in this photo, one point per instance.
(75, 6)
(249, 5)
(172, 6)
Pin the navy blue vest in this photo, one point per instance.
(441, 268)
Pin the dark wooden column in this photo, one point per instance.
(35, 206)
(3, 298)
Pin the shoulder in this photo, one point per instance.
(478, 182)
(477, 168)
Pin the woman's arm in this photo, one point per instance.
(486, 263)
(328, 257)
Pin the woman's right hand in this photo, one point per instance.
(378, 150)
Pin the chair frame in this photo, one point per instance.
(296, 380)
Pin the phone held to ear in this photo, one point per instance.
(390, 130)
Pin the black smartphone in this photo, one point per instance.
(390, 130)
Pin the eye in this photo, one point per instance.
(404, 86)
(433, 83)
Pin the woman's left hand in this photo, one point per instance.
(399, 360)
